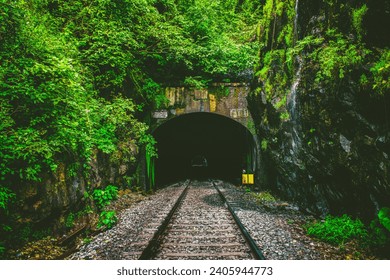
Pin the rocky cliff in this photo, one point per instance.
(320, 113)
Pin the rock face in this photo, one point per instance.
(327, 146)
(52, 197)
(46, 203)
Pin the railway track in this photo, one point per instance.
(201, 225)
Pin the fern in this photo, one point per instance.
(384, 217)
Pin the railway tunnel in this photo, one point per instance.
(224, 146)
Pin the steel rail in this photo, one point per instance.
(256, 252)
(149, 252)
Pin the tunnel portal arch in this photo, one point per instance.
(226, 144)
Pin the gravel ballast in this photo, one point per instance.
(276, 229)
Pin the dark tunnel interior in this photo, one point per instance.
(225, 145)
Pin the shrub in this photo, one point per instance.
(103, 197)
(378, 236)
(338, 230)
(107, 219)
(264, 197)
(6, 197)
(69, 221)
(384, 217)
(381, 73)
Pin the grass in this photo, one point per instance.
(338, 230)
(264, 197)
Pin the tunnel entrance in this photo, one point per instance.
(203, 145)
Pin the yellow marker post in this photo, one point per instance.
(244, 178)
(248, 179)
(251, 179)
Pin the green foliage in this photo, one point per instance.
(384, 217)
(150, 155)
(306, 44)
(338, 230)
(73, 74)
(23, 233)
(357, 19)
(338, 57)
(103, 198)
(281, 103)
(6, 198)
(69, 221)
(154, 94)
(264, 197)
(333, 56)
(381, 73)
(274, 11)
(107, 219)
(264, 144)
(49, 106)
(379, 236)
(195, 82)
(124, 41)
(273, 75)
(87, 240)
(284, 116)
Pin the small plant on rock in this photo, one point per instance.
(107, 219)
(379, 238)
(264, 197)
(69, 221)
(103, 197)
(384, 217)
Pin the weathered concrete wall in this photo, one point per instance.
(226, 99)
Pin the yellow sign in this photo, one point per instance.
(213, 103)
(248, 179)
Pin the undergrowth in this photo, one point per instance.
(102, 198)
(107, 219)
(264, 197)
(343, 229)
(338, 230)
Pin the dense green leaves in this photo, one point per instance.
(381, 73)
(384, 217)
(338, 230)
(6, 197)
(357, 19)
(103, 197)
(49, 92)
(74, 73)
(107, 219)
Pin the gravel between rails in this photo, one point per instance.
(276, 232)
(203, 229)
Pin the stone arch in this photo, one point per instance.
(228, 145)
